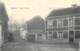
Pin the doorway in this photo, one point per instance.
(60, 35)
(71, 36)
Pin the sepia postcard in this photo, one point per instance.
(39, 25)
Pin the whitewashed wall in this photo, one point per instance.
(1, 41)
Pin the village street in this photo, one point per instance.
(29, 46)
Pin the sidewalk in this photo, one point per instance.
(52, 41)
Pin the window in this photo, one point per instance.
(59, 23)
(77, 21)
(65, 34)
(40, 34)
(65, 22)
(50, 32)
(70, 22)
(49, 24)
(77, 34)
(50, 35)
(54, 35)
(54, 23)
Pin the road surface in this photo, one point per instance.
(29, 46)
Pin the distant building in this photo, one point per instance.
(63, 23)
(23, 33)
(36, 26)
(3, 24)
(14, 29)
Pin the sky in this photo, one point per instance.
(24, 10)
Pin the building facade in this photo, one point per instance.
(3, 24)
(63, 23)
(36, 27)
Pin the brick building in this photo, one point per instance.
(63, 23)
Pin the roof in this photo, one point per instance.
(65, 11)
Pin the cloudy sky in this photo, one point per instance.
(24, 10)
